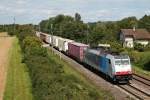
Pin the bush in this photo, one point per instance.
(116, 47)
(147, 66)
(139, 47)
(49, 80)
(147, 47)
(32, 46)
(135, 57)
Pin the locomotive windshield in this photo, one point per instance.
(121, 62)
(118, 62)
(125, 62)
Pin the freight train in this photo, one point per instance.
(116, 67)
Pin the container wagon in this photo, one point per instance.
(48, 38)
(43, 36)
(75, 50)
(116, 67)
(63, 44)
(55, 41)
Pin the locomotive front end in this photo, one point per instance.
(122, 70)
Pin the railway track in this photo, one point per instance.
(141, 79)
(137, 93)
(139, 87)
(131, 89)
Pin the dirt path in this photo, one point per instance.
(5, 45)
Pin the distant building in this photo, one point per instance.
(129, 36)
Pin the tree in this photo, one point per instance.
(139, 47)
(32, 46)
(144, 22)
(24, 30)
(77, 17)
(42, 25)
(128, 22)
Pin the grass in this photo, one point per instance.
(140, 59)
(140, 71)
(18, 85)
(70, 71)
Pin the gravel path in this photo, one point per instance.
(98, 81)
(5, 45)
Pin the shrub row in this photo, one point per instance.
(49, 80)
(141, 48)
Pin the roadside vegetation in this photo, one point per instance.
(83, 82)
(18, 84)
(140, 62)
(50, 79)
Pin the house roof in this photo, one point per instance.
(138, 34)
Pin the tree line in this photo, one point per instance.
(90, 33)
(98, 32)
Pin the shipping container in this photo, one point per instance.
(76, 50)
(43, 37)
(55, 40)
(63, 44)
(48, 38)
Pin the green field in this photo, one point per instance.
(18, 85)
(103, 94)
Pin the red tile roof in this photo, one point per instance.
(138, 34)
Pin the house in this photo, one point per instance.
(130, 36)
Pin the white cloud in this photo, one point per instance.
(147, 12)
(21, 2)
(90, 10)
(11, 10)
(4, 8)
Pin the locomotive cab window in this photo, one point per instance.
(118, 62)
(109, 61)
(125, 62)
(121, 62)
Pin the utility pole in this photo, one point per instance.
(87, 32)
(14, 24)
(39, 28)
(4, 27)
(52, 33)
(52, 36)
(61, 36)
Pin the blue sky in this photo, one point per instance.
(33, 11)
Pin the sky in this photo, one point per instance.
(33, 11)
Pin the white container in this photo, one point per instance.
(55, 40)
(48, 39)
(60, 43)
(63, 44)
